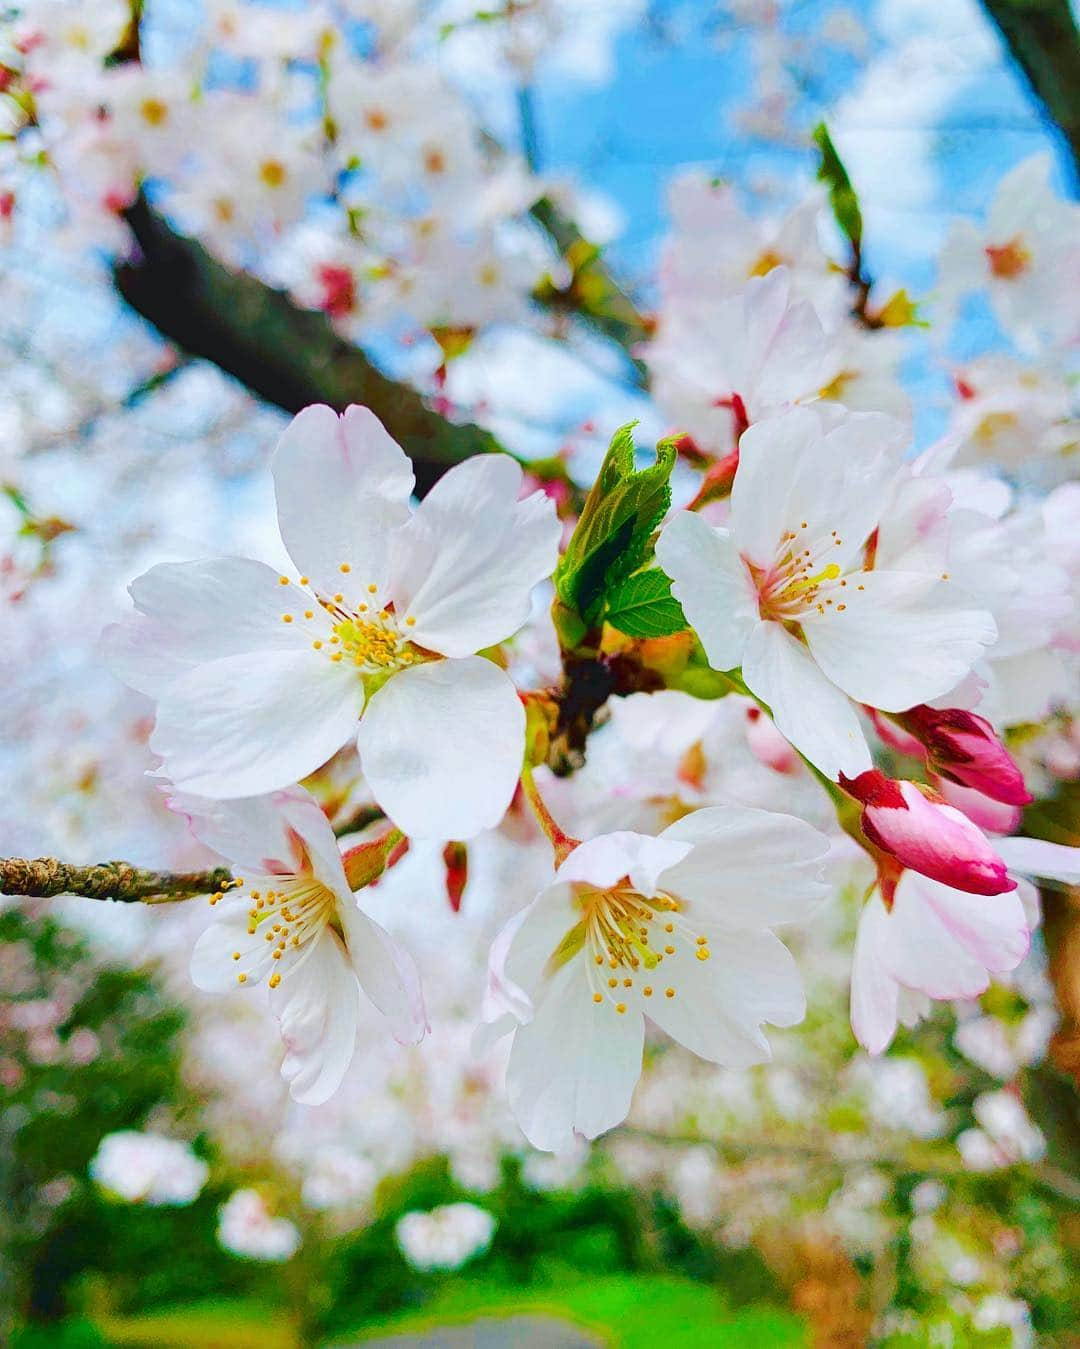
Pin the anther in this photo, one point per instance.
(620, 1007)
(669, 950)
(275, 979)
(236, 955)
(669, 992)
(286, 618)
(344, 569)
(283, 580)
(647, 990)
(241, 978)
(304, 580)
(598, 997)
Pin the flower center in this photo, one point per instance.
(627, 937)
(799, 579)
(1008, 261)
(289, 918)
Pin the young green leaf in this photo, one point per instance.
(643, 606)
(842, 196)
(613, 535)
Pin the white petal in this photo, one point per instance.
(608, 858)
(194, 612)
(809, 710)
(342, 487)
(441, 746)
(1033, 857)
(308, 824)
(720, 1003)
(874, 990)
(214, 967)
(465, 565)
(573, 1068)
(711, 583)
(251, 724)
(992, 929)
(537, 935)
(791, 471)
(252, 833)
(387, 974)
(749, 868)
(318, 1007)
(899, 641)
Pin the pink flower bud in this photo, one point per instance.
(927, 835)
(965, 748)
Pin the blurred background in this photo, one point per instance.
(157, 1186)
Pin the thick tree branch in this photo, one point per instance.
(290, 357)
(1043, 40)
(46, 877)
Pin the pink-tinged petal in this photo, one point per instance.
(874, 989)
(720, 1003)
(609, 858)
(441, 746)
(711, 583)
(342, 487)
(251, 724)
(913, 534)
(253, 834)
(926, 835)
(310, 830)
(894, 639)
(992, 929)
(808, 710)
(1034, 857)
(387, 973)
(190, 613)
(318, 1008)
(748, 868)
(465, 565)
(214, 966)
(573, 1068)
(767, 745)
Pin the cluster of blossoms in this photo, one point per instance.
(870, 672)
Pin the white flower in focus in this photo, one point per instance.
(675, 928)
(148, 1168)
(444, 1238)
(260, 679)
(790, 591)
(295, 923)
(246, 1227)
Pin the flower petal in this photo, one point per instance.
(342, 487)
(899, 640)
(538, 931)
(318, 1008)
(387, 974)
(250, 724)
(252, 833)
(711, 583)
(1034, 857)
(874, 991)
(748, 868)
(809, 710)
(720, 1003)
(465, 565)
(608, 858)
(573, 1068)
(441, 746)
(194, 612)
(214, 967)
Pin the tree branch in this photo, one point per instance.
(1043, 40)
(46, 877)
(290, 357)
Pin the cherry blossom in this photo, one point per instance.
(792, 592)
(260, 678)
(676, 928)
(293, 921)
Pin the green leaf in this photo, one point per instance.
(643, 606)
(613, 536)
(842, 196)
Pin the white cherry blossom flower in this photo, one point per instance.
(676, 928)
(259, 679)
(293, 921)
(790, 591)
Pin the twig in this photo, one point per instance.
(46, 877)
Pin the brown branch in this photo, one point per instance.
(1043, 40)
(290, 357)
(46, 877)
